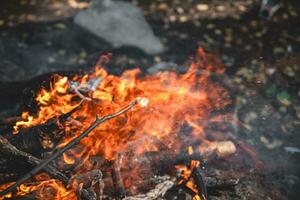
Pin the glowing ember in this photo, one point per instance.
(142, 101)
(176, 100)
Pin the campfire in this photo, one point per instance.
(133, 136)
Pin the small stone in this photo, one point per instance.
(202, 7)
(1, 22)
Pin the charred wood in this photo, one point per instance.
(8, 149)
(41, 138)
(85, 183)
(164, 161)
(198, 180)
(117, 178)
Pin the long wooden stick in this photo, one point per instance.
(98, 121)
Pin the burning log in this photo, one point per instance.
(139, 171)
(219, 149)
(141, 101)
(162, 160)
(40, 138)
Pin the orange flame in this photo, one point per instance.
(46, 190)
(173, 100)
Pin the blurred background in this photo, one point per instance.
(258, 42)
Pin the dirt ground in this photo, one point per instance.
(261, 60)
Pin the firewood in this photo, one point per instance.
(220, 149)
(141, 101)
(34, 139)
(162, 161)
(8, 149)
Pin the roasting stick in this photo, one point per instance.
(139, 100)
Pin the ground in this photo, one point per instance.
(261, 60)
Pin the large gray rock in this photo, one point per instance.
(119, 23)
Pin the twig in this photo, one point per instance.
(142, 101)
